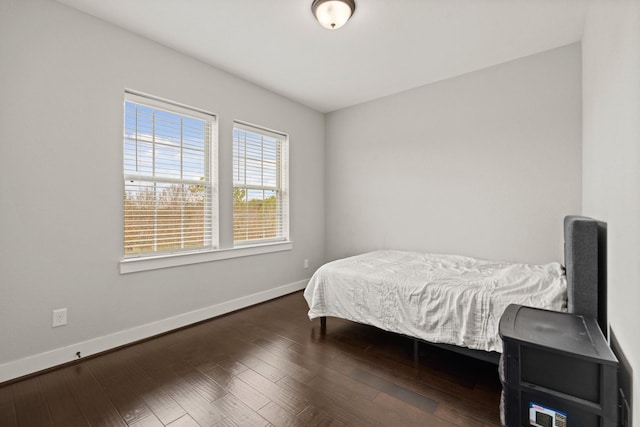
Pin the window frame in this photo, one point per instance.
(281, 188)
(209, 168)
(155, 260)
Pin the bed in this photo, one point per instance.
(456, 302)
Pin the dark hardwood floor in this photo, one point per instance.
(264, 365)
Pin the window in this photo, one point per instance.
(169, 194)
(260, 185)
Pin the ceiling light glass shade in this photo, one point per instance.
(333, 14)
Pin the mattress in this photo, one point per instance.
(447, 299)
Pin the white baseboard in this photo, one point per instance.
(29, 365)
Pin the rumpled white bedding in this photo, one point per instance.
(438, 298)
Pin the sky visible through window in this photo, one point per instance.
(255, 159)
(178, 141)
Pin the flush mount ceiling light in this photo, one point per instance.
(333, 14)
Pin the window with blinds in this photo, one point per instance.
(168, 188)
(260, 185)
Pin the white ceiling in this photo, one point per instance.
(388, 45)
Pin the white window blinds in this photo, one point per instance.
(168, 188)
(260, 185)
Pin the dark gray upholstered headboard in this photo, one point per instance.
(585, 257)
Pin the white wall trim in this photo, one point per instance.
(133, 265)
(29, 365)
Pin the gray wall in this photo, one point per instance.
(62, 79)
(611, 159)
(486, 164)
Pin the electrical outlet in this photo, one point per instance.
(59, 317)
(306, 263)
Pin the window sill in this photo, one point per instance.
(133, 265)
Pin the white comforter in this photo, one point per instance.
(438, 298)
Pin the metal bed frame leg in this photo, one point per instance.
(323, 325)
(416, 351)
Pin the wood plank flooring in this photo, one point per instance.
(261, 366)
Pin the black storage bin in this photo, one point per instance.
(557, 370)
